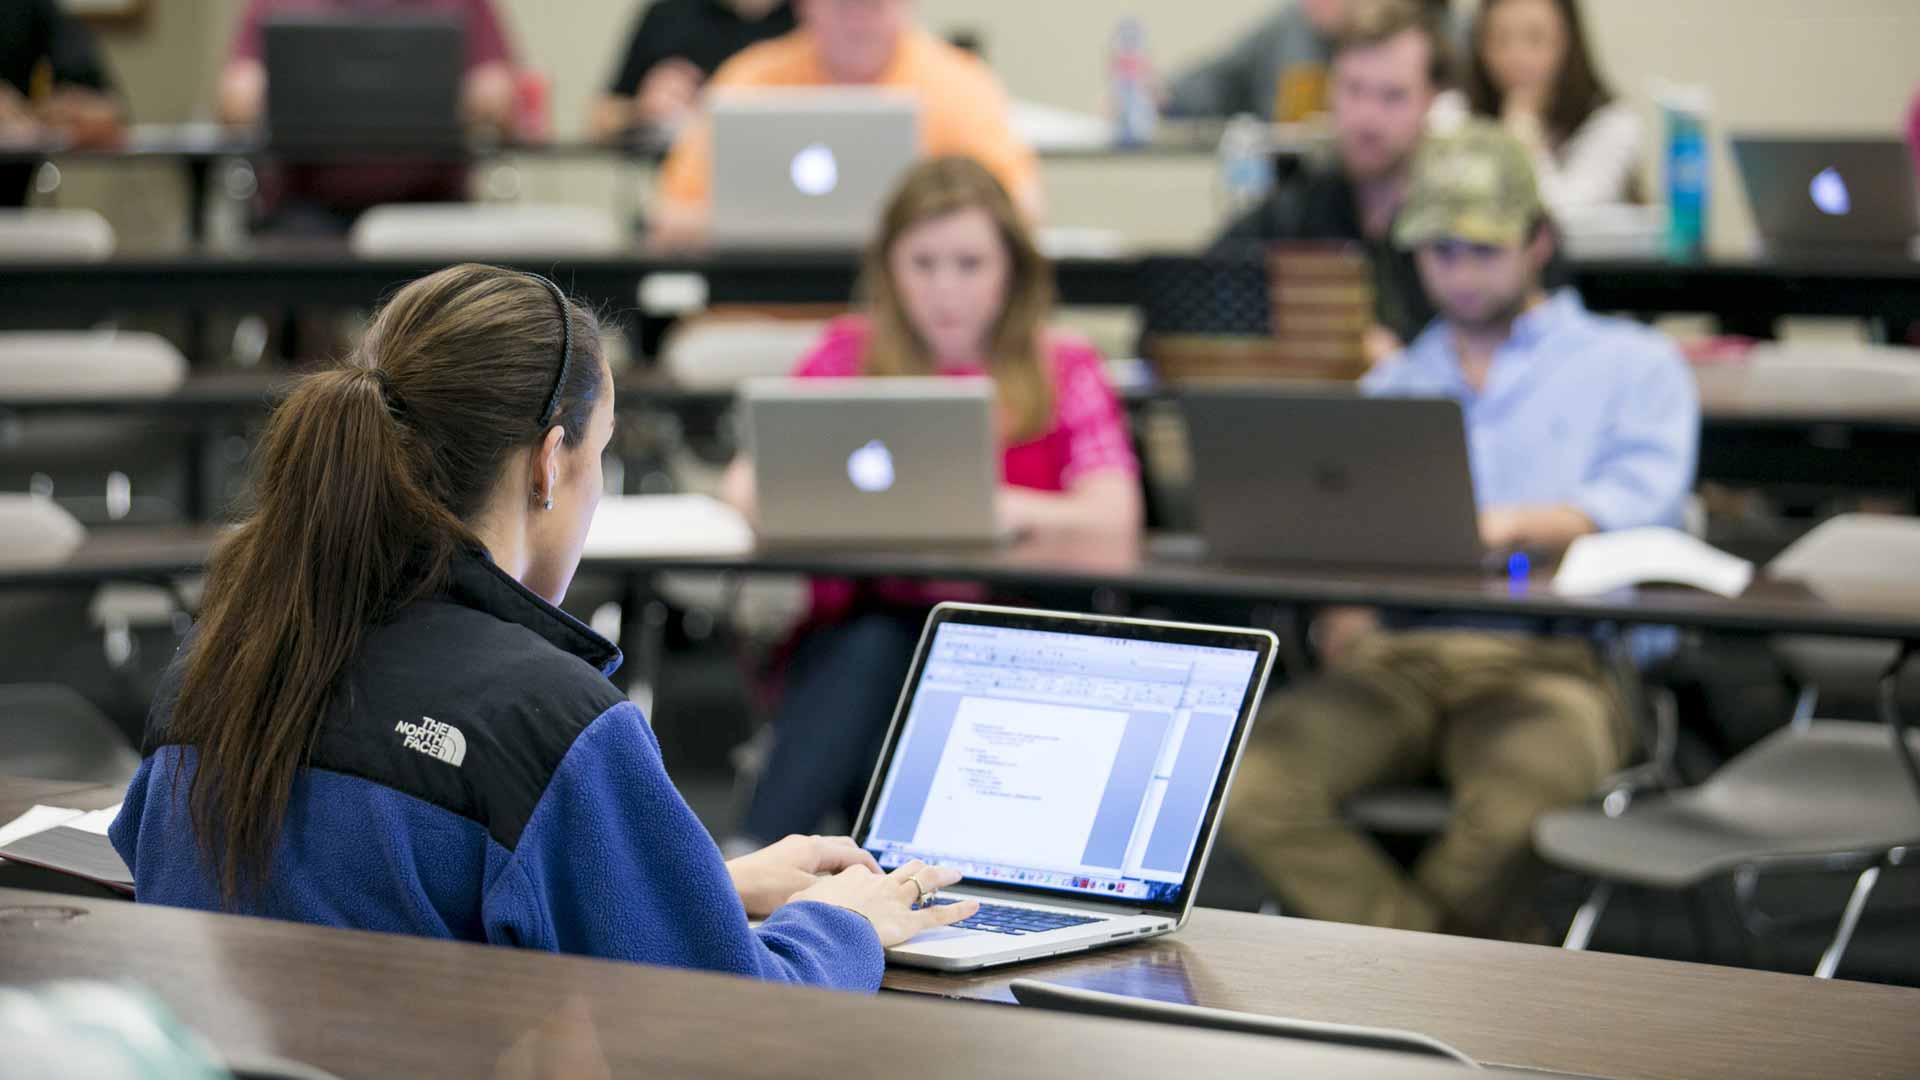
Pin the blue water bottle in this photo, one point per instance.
(1688, 169)
(1130, 86)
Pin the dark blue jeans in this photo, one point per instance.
(842, 685)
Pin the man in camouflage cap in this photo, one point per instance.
(1575, 424)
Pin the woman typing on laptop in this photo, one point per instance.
(384, 721)
(956, 287)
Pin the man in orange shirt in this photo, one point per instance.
(963, 109)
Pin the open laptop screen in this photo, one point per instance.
(1068, 762)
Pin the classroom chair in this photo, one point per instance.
(54, 235)
(104, 468)
(486, 231)
(1819, 795)
(52, 731)
(1810, 376)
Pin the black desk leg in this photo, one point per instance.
(643, 633)
(199, 185)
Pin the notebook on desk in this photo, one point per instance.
(77, 846)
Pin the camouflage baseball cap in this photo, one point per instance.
(1474, 184)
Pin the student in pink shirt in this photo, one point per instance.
(955, 287)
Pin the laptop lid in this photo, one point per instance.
(808, 166)
(1830, 193)
(1332, 476)
(1066, 756)
(372, 80)
(887, 459)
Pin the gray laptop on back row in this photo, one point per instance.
(1332, 477)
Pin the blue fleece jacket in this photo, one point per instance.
(479, 778)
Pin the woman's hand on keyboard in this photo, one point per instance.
(890, 901)
(769, 877)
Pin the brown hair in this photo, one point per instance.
(367, 478)
(1578, 91)
(1372, 23)
(1016, 349)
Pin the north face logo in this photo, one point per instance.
(435, 739)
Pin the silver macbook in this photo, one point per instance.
(808, 167)
(893, 460)
(1332, 477)
(1072, 767)
(1823, 195)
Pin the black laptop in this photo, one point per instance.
(362, 82)
(1332, 477)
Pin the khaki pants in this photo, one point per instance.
(1514, 725)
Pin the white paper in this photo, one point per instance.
(1606, 562)
(97, 822)
(37, 820)
(637, 526)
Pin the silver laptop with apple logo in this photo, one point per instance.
(807, 167)
(909, 460)
(1072, 767)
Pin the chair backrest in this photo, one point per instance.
(80, 364)
(724, 352)
(50, 732)
(54, 235)
(1836, 776)
(1877, 549)
(36, 531)
(458, 230)
(1832, 375)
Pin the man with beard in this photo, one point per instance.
(1390, 62)
(1575, 424)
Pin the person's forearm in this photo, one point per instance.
(1547, 528)
(737, 487)
(1107, 504)
(243, 92)
(488, 97)
(87, 117)
(612, 114)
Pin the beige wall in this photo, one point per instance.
(1822, 65)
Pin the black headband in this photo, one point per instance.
(566, 350)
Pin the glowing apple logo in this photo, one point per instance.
(815, 171)
(1829, 191)
(871, 468)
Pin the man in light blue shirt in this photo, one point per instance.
(1575, 424)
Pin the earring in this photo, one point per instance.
(549, 503)
(546, 503)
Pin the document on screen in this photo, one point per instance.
(1020, 781)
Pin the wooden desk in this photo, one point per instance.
(361, 1004)
(1531, 1006)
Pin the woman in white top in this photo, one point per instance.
(1532, 71)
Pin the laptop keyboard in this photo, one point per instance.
(1017, 921)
